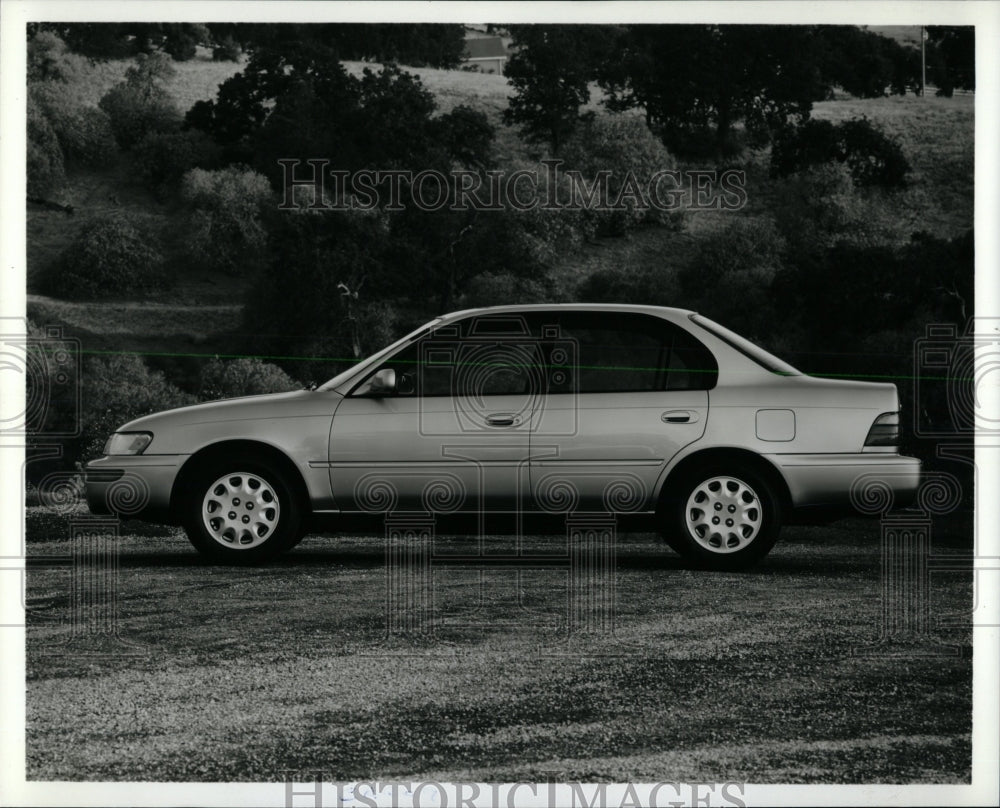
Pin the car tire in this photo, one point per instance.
(722, 518)
(241, 510)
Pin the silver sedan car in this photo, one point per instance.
(655, 414)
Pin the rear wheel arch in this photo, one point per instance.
(261, 452)
(723, 457)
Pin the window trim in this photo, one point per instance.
(663, 371)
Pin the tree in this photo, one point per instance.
(302, 104)
(695, 81)
(867, 64)
(953, 57)
(551, 71)
(415, 44)
(103, 40)
(141, 103)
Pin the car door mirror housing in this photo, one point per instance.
(383, 383)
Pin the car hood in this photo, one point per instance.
(296, 404)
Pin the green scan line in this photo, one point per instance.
(353, 361)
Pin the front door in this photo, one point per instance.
(454, 434)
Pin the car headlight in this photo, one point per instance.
(128, 443)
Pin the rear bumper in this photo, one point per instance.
(870, 482)
(136, 487)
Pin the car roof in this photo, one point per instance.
(595, 307)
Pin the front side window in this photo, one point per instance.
(482, 356)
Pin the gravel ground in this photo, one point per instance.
(776, 675)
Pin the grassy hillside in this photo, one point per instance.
(936, 134)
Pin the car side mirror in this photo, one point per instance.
(383, 383)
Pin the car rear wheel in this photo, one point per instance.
(242, 511)
(724, 519)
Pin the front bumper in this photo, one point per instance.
(132, 486)
(865, 481)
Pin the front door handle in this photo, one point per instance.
(679, 417)
(501, 419)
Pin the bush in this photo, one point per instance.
(874, 158)
(46, 171)
(181, 40)
(162, 158)
(623, 145)
(467, 135)
(142, 104)
(226, 231)
(112, 257)
(314, 301)
(247, 376)
(86, 136)
(84, 133)
(226, 49)
(502, 288)
(647, 285)
(116, 390)
(50, 60)
(730, 277)
(821, 206)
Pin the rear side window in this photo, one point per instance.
(629, 353)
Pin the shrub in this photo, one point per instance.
(731, 275)
(467, 134)
(46, 170)
(623, 145)
(86, 136)
(50, 60)
(117, 389)
(181, 40)
(226, 231)
(84, 133)
(113, 256)
(502, 288)
(314, 300)
(50, 382)
(873, 157)
(246, 376)
(821, 206)
(142, 104)
(226, 49)
(649, 285)
(162, 158)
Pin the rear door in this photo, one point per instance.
(625, 392)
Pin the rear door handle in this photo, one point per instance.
(679, 417)
(501, 419)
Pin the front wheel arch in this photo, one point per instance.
(264, 452)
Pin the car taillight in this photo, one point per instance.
(885, 430)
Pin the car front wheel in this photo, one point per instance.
(242, 512)
(723, 519)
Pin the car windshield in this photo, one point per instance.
(744, 346)
(340, 378)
